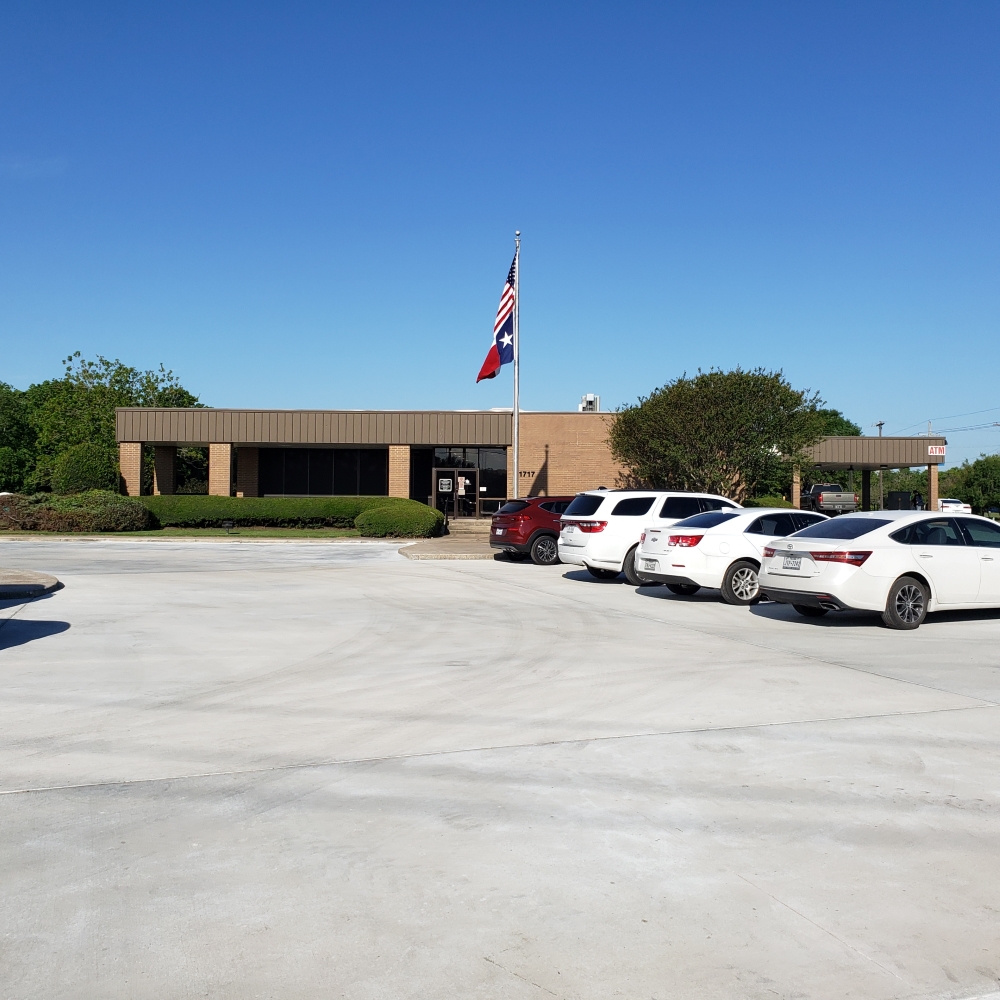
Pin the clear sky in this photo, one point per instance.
(312, 205)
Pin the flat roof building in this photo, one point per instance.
(427, 455)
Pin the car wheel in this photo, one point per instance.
(740, 584)
(628, 568)
(602, 574)
(683, 589)
(906, 606)
(544, 551)
(809, 611)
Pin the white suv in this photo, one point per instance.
(600, 529)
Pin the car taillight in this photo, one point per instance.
(684, 541)
(857, 499)
(591, 526)
(642, 538)
(819, 499)
(768, 552)
(852, 558)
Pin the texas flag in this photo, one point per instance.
(502, 350)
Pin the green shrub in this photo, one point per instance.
(416, 520)
(194, 511)
(767, 502)
(87, 466)
(94, 510)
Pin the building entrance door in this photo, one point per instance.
(456, 492)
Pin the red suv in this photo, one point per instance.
(529, 527)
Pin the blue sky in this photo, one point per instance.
(310, 205)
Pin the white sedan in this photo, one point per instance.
(719, 549)
(951, 506)
(902, 564)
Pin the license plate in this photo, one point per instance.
(649, 564)
(569, 530)
(499, 531)
(792, 562)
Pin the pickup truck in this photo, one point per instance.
(829, 498)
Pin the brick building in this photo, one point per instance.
(458, 458)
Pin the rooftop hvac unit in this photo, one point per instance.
(589, 404)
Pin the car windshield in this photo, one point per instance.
(513, 507)
(841, 527)
(708, 520)
(584, 505)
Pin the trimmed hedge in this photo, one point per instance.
(767, 502)
(84, 467)
(414, 521)
(94, 510)
(194, 511)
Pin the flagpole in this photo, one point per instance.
(516, 427)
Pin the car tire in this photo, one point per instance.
(740, 585)
(808, 611)
(545, 550)
(683, 589)
(906, 606)
(628, 568)
(602, 574)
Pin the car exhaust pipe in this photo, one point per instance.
(829, 606)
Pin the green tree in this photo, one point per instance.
(835, 424)
(735, 433)
(17, 439)
(976, 483)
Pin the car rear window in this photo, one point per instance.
(712, 503)
(842, 527)
(707, 520)
(555, 506)
(584, 505)
(778, 525)
(633, 507)
(513, 507)
(680, 507)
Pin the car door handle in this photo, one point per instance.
(926, 555)
(987, 558)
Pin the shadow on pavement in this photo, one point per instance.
(15, 632)
(582, 576)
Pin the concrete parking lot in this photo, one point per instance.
(299, 770)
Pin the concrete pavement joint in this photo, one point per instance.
(385, 758)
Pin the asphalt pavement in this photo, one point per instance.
(303, 770)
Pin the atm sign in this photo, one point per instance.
(935, 449)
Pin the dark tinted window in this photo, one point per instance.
(555, 506)
(513, 507)
(710, 503)
(680, 507)
(633, 507)
(933, 531)
(842, 527)
(584, 505)
(772, 524)
(707, 520)
(804, 520)
(983, 533)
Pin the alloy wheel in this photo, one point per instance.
(745, 584)
(909, 604)
(546, 550)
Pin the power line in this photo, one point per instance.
(953, 416)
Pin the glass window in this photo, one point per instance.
(584, 505)
(513, 507)
(711, 503)
(680, 507)
(933, 531)
(772, 524)
(804, 520)
(493, 458)
(985, 534)
(633, 506)
(559, 506)
(842, 527)
(707, 520)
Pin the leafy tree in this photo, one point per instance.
(976, 483)
(835, 424)
(735, 433)
(50, 419)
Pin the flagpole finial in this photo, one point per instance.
(517, 232)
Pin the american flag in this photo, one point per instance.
(501, 351)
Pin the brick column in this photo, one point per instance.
(247, 464)
(220, 470)
(796, 496)
(164, 470)
(130, 466)
(932, 487)
(399, 470)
